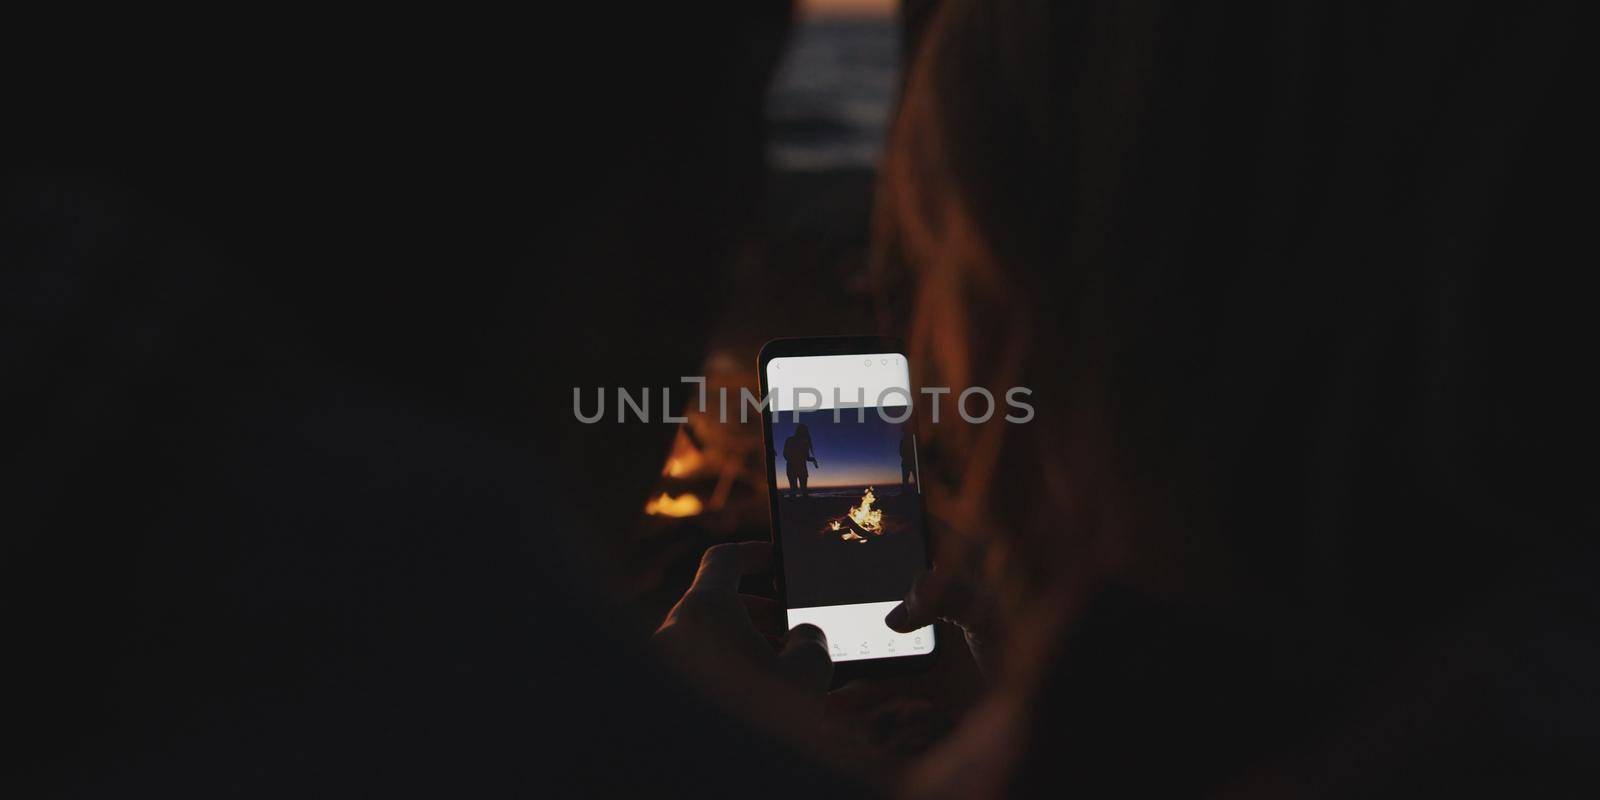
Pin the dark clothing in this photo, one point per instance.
(796, 452)
(908, 462)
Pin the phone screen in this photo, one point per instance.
(848, 498)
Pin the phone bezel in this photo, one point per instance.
(843, 671)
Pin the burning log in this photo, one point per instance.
(847, 529)
(860, 522)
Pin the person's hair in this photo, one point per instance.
(1268, 277)
(801, 431)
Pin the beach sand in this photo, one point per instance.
(821, 568)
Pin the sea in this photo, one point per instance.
(850, 492)
(830, 102)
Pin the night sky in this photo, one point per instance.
(851, 453)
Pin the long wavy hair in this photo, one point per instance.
(1255, 265)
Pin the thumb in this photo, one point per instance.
(804, 658)
(933, 595)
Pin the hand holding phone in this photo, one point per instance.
(851, 539)
(712, 619)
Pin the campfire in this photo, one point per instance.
(684, 505)
(859, 521)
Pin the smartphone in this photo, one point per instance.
(844, 483)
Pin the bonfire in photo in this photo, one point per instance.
(859, 521)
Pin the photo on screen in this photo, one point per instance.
(848, 507)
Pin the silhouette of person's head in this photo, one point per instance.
(802, 432)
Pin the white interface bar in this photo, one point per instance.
(857, 631)
(810, 382)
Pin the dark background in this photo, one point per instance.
(291, 305)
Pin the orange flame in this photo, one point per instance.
(870, 519)
(684, 505)
(685, 459)
(864, 519)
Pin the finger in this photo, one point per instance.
(933, 595)
(916, 610)
(723, 565)
(767, 614)
(804, 658)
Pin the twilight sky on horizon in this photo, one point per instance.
(851, 453)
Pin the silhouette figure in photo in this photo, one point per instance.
(796, 452)
(908, 462)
